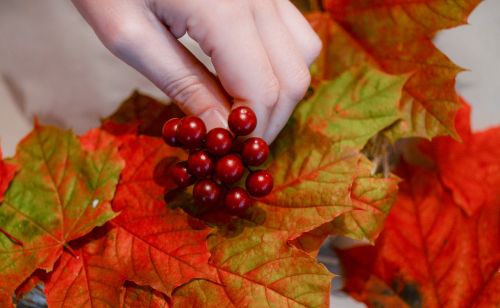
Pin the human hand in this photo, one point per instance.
(261, 50)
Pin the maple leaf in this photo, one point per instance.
(148, 243)
(479, 152)
(372, 199)
(430, 254)
(316, 164)
(319, 173)
(61, 192)
(7, 172)
(84, 279)
(257, 268)
(92, 279)
(167, 244)
(144, 112)
(396, 37)
(153, 245)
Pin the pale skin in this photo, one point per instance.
(261, 51)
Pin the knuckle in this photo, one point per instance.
(270, 94)
(120, 36)
(222, 14)
(183, 90)
(298, 84)
(314, 48)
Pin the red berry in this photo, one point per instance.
(242, 121)
(259, 183)
(255, 151)
(181, 176)
(200, 164)
(237, 199)
(169, 132)
(229, 169)
(191, 132)
(207, 193)
(219, 141)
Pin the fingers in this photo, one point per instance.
(260, 50)
(301, 31)
(144, 43)
(287, 61)
(227, 33)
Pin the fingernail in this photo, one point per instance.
(214, 118)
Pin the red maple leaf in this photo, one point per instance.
(62, 190)
(434, 252)
(142, 114)
(148, 243)
(7, 172)
(470, 169)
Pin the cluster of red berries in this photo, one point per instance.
(216, 161)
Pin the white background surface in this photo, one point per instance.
(53, 66)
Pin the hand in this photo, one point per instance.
(261, 50)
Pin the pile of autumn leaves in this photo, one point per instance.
(441, 242)
(89, 219)
(144, 246)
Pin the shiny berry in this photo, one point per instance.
(181, 176)
(242, 121)
(255, 151)
(259, 183)
(169, 132)
(191, 132)
(229, 169)
(237, 199)
(219, 141)
(200, 164)
(207, 193)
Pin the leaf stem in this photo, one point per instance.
(11, 237)
(70, 250)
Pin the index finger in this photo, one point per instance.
(239, 58)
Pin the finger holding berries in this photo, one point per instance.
(218, 159)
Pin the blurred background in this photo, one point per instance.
(53, 66)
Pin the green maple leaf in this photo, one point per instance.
(257, 268)
(61, 192)
(319, 174)
(430, 253)
(148, 243)
(396, 36)
(316, 164)
(373, 198)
